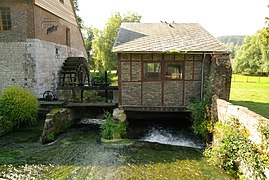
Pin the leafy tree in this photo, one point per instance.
(80, 21)
(233, 43)
(102, 56)
(236, 40)
(253, 56)
(88, 38)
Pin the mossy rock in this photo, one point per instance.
(116, 140)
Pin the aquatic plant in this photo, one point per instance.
(18, 108)
(112, 129)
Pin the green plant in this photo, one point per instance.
(111, 128)
(18, 107)
(234, 150)
(92, 96)
(200, 118)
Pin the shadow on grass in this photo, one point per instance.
(257, 107)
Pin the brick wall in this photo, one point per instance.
(44, 19)
(20, 21)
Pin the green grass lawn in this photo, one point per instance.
(251, 92)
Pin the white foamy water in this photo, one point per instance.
(177, 138)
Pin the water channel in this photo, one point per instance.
(78, 154)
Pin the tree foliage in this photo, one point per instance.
(233, 43)
(80, 21)
(253, 57)
(102, 56)
(236, 40)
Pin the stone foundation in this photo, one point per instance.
(57, 121)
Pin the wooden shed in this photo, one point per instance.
(162, 65)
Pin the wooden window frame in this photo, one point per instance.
(148, 78)
(180, 73)
(8, 25)
(67, 37)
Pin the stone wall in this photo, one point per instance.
(252, 122)
(221, 74)
(44, 19)
(16, 64)
(170, 97)
(152, 94)
(224, 111)
(131, 93)
(57, 121)
(33, 64)
(48, 62)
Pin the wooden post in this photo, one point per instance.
(106, 84)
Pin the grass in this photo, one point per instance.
(251, 92)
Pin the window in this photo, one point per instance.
(5, 19)
(68, 42)
(173, 70)
(152, 71)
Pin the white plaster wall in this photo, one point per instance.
(34, 64)
(48, 63)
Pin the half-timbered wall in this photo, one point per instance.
(164, 89)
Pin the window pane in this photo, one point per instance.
(6, 18)
(173, 70)
(152, 71)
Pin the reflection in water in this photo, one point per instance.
(172, 137)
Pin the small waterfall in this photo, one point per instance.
(172, 137)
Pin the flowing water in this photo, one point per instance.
(79, 154)
(172, 137)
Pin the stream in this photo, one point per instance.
(79, 154)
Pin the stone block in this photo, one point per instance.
(173, 93)
(152, 95)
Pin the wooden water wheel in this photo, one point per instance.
(74, 72)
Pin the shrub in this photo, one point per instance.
(234, 150)
(200, 117)
(18, 107)
(112, 128)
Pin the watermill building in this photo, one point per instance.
(161, 65)
(36, 37)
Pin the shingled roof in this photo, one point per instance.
(164, 37)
